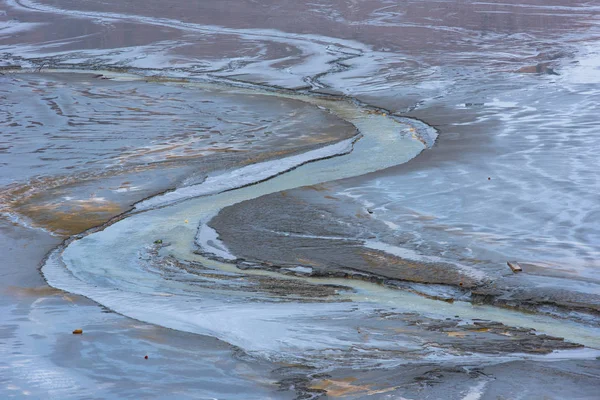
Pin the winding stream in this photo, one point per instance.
(121, 268)
(277, 227)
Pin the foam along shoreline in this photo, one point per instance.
(248, 175)
(209, 243)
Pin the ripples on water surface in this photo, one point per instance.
(197, 101)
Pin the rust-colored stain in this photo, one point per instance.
(308, 262)
(457, 334)
(70, 217)
(542, 68)
(478, 329)
(347, 386)
(318, 188)
(31, 200)
(39, 291)
(260, 157)
(394, 267)
(340, 387)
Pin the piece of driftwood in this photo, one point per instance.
(514, 266)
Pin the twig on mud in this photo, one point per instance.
(39, 69)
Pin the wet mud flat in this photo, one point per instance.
(99, 145)
(295, 325)
(85, 168)
(329, 231)
(311, 232)
(158, 251)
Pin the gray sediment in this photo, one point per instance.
(311, 229)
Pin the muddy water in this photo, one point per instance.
(79, 149)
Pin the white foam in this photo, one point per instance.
(208, 240)
(587, 68)
(246, 175)
(8, 28)
(301, 270)
(475, 392)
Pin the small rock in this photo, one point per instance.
(77, 331)
(158, 241)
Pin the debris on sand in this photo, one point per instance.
(514, 266)
(538, 69)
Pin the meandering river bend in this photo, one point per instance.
(300, 200)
